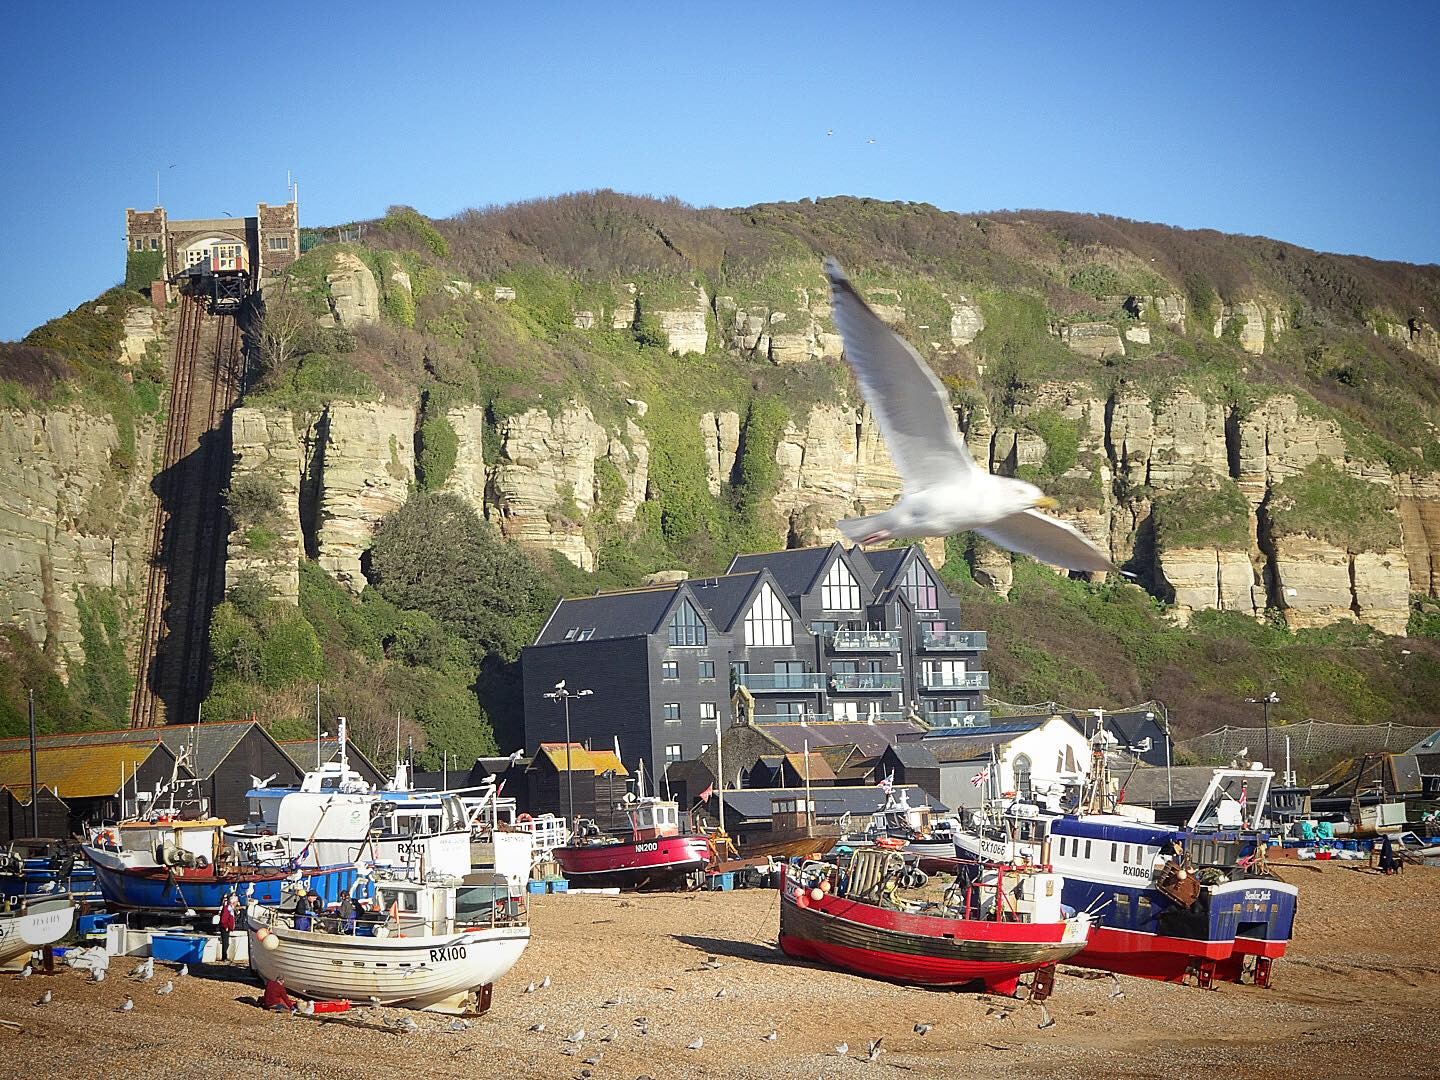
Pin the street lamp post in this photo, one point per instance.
(563, 695)
(1272, 698)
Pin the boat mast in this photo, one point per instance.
(35, 782)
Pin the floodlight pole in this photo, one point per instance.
(563, 694)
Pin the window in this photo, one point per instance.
(934, 626)
(139, 243)
(278, 243)
(845, 710)
(767, 623)
(839, 592)
(672, 753)
(704, 746)
(919, 588)
(824, 627)
(154, 243)
(1022, 779)
(1087, 849)
(793, 710)
(707, 670)
(738, 670)
(586, 634)
(686, 626)
(670, 712)
(1114, 852)
(707, 710)
(570, 634)
(669, 669)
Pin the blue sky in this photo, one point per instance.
(1315, 123)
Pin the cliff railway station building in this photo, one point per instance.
(240, 253)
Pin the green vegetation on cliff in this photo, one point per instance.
(1204, 514)
(1345, 511)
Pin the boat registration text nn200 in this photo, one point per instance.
(649, 845)
(447, 952)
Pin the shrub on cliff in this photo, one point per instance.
(1331, 505)
(1205, 514)
(435, 555)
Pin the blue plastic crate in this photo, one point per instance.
(535, 887)
(720, 882)
(558, 885)
(89, 925)
(177, 948)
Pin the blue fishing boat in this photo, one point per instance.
(45, 867)
(174, 866)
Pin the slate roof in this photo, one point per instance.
(886, 563)
(819, 767)
(950, 749)
(302, 753)
(1428, 745)
(635, 613)
(795, 570)
(721, 597)
(694, 774)
(872, 739)
(914, 755)
(831, 802)
(1146, 785)
(84, 771)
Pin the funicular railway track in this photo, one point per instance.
(187, 531)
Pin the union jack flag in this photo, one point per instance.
(981, 777)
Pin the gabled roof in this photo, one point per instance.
(1147, 786)
(819, 767)
(914, 755)
(86, 771)
(840, 755)
(603, 761)
(723, 598)
(207, 744)
(796, 571)
(872, 739)
(886, 563)
(608, 616)
(950, 749)
(581, 759)
(694, 774)
(1428, 745)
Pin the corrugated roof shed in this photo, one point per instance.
(75, 772)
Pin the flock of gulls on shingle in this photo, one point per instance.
(999, 1009)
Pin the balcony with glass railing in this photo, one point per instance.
(955, 680)
(865, 641)
(953, 640)
(802, 681)
(862, 681)
(939, 721)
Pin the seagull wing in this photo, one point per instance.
(1048, 539)
(910, 404)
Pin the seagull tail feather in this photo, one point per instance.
(857, 530)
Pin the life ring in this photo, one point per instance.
(107, 838)
(891, 842)
(524, 817)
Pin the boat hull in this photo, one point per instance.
(665, 860)
(441, 973)
(921, 949)
(39, 923)
(167, 890)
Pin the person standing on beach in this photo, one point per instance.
(228, 909)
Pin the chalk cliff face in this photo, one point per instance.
(264, 444)
(368, 467)
(70, 520)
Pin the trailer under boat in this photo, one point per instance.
(986, 935)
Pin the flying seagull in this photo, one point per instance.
(945, 491)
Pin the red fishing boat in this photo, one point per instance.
(656, 852)
(990, 933)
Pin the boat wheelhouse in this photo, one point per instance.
(656, 853)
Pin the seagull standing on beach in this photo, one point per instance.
(46, 998)
(128, 1005)
(945, 491)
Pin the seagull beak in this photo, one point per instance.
(1045, 502)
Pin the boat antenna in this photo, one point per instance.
(318, 761)
(34, 779)
(344, 758)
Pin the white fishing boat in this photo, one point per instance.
(34, 924)
(336, 816)
(438, 945)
